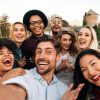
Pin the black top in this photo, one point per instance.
(28, 49)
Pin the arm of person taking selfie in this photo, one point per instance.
(12, 92)
(72, 94)
(12, 73)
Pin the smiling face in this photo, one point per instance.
(84, 38)
(6, 60)
(36, 25)
(65, 41)
(90, 66)
(19, 33)
(45, 58)
(56, 25)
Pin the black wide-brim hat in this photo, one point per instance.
(30, 13)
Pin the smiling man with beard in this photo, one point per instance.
(40, 83)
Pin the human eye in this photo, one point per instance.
(9, 52)
(83, 69)
(87, 35)
(22, 29)
(39, 22)
(49, 52)
(15, 29)
(79, 34)
(38, 51)
(32, 23)
(93, 63)
(59, 22)
(1, 52)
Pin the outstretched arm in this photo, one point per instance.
(12, 92)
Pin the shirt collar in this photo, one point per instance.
(38, 76)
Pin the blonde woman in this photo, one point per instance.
(18, 35)
(87, 38)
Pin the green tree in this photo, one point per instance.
(65, 23)
(4, 26)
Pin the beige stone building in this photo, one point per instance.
(90, 18)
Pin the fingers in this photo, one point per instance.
(70, 87)
(75, 92)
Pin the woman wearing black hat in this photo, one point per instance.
(35, 21)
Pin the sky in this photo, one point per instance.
(70, 10)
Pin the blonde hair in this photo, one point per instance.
(11, 30)
(94, 41)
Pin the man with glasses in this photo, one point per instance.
(35, 21)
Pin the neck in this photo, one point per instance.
(54, 34)
(38, 35)
(64, 52)
(48, 77)
(18, 44)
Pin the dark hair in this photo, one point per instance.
(21, 24)
(4, 42)
(54, 42)
(78, 75)
(30, 13)
(72, 49)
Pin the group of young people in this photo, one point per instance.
(56, 61)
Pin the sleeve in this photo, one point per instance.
(21, 81)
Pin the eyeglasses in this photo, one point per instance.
(39, 22)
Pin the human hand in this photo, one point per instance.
(72, 94)
(69, 66)
(12, 73)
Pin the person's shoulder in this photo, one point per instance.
(47, 36)
(61, 87)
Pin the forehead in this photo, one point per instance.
(18, 25)
(35, 17)
(56, 19)
(85, 30)
(88, 58)
(65, 35)
(44, 45)
(4, 48)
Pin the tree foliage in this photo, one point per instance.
(4, 26)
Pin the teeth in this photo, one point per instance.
(6, 60)
(96, 76)
(43, 63)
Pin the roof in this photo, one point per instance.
(91, 12)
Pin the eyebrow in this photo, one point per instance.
(89, 63)
(46, 48)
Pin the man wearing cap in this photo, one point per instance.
(35, 21)
(56, 24)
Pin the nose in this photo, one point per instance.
(19, 32)
(67, 42)
(6, 54)
(42, 55)
(90, 71)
